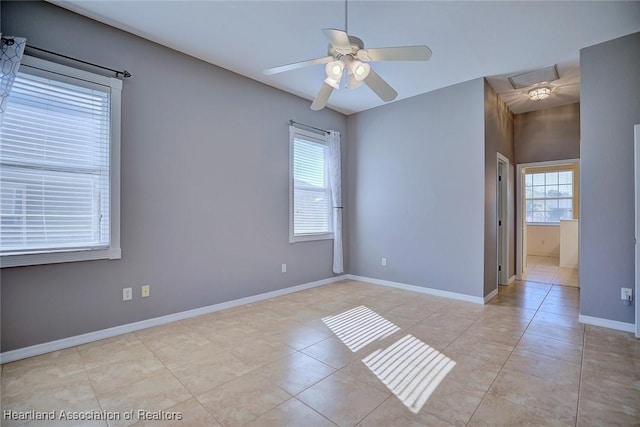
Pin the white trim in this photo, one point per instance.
(420, 289)
(549, 163)
(320, 139)
(58, 257)
(38, 349)
(43, 67)
(489, 297)
(505, 209)
(606, 323)
(519, 194)
(636, 149)
(512, 279)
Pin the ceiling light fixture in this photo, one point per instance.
(360, 70)
(539, 93)
(334, 71)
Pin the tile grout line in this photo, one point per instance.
(95, 394)
(294, 397)
(508, 357)
(177, 379)
(86, 372)
(584, 346)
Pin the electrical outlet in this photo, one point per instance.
(145, 291)
(127, 294)
(383, 262)
(626, 294)
(284, 268)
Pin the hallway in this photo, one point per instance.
(546, 270)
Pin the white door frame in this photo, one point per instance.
(503, 212)
(637, 231)
(520, 205)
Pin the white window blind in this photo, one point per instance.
(55, 157)
(311, 204)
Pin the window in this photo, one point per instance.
(59, 151)
(310, 197)
(549, 196)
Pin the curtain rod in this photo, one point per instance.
(292, 122)
(124, 73)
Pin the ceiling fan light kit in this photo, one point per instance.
(347, 53)
(334, 70)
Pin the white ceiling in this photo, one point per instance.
(468, 39)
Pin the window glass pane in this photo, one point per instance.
(566, 208)
(54, 149)
(539, 191)
(565, 204)
(565, 177)
(549, 196)
(565, 190)
(551, 191)
(312, 198)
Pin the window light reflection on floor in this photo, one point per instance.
(359, 327)
(410, 369)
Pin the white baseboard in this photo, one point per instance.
(606, 323)
(38, 349)
(428, 291)
(512, 279)
(492, 294)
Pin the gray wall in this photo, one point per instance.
(498, 135)
(609, 108)
(545, 135)
(416, 168)
(205, 189)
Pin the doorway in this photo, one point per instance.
(547, 214)
(502, 210)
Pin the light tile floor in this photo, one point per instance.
(521, 359)
(546, 270)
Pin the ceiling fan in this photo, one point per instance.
(348, 59)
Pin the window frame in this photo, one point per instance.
(74, 76)
(572, 198)
(320, 139)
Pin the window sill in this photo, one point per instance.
(58, 257)
(543, 224)
(310, 237)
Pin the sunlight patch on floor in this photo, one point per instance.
(410, 369)
(359, 327)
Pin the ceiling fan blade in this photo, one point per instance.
(338, 39)
(296, 65)
(402, 53)
(322, 97)
(352, 82)
(380, 87)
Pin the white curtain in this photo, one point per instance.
(12, 49)
(335, 176)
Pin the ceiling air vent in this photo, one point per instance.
(530, 78)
